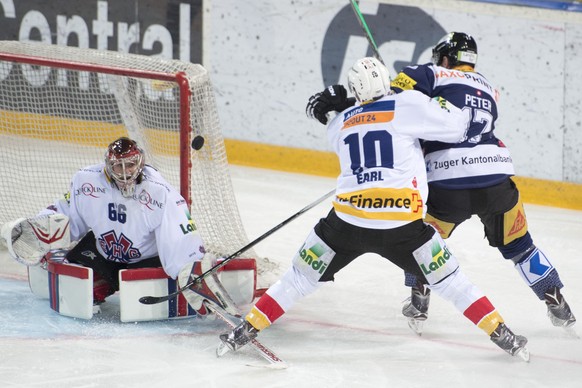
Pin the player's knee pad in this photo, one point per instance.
(435, 260)
(442, 227)
(313, 258)
(505, 228)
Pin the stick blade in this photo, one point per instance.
(150, 299)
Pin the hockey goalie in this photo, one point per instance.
(123, 228)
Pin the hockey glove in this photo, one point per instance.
(333, 98)
(209, 289)
(28, 240)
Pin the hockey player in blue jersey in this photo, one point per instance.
(472, 177)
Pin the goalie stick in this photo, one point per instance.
(274, 361)
(366, 29)
(160, 299)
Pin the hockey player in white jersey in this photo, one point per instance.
(125, 215)
(379, 207)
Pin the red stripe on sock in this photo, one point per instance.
(479, 309)
(269, 307)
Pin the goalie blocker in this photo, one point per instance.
(69, 289)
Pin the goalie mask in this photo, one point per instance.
(458, 47)
(369, 80)
(124, 162)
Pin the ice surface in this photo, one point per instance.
(348, 334)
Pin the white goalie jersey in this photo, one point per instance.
(155, 221)
(380, 185)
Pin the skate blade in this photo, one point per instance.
(523, 353)
(222, 349)
(416, 326)
(571, 332)
(277, 366)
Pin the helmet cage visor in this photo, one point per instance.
(125, 170)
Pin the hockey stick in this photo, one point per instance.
(159, 299)
(367, 31)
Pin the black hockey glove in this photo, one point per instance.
(333, 98)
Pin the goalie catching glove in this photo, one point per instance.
(209, 289)
(29, 239)
(333, 98)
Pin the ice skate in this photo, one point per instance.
(239, 336)
(511, 343)
(416, 308)
(559, 311)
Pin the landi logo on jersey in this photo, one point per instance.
(89, 190)
(311, 257)
(440, 256)
(188, 227)
(118, 249)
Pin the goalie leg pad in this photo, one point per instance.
(38, 281)
(71, 290)
(239, 278)
(209, 289)
(135, 283)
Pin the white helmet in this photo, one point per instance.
(368, 79)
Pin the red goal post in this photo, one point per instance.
(61, 106)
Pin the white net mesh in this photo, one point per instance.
(61, 106)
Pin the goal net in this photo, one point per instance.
(61, 106)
